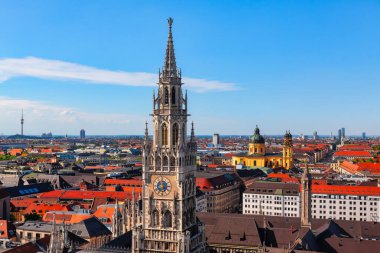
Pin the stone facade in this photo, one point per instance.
(169, 223)
(306, 198)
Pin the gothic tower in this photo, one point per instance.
(306, 198)
(169, 223)
(287, 151)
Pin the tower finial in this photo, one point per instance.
(170, 22)
(170, 67)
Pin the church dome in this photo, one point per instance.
(257, 137)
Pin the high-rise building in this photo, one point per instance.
(82, 134)
(315, 135)
(364, 136)
(339, 134)
(216, 140)
(169, 166)
(343, 132)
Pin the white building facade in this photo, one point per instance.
(339, 202)
(274, 199)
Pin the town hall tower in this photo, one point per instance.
(169, 223)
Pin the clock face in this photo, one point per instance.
(162, 186)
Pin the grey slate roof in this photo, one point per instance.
(89, 228)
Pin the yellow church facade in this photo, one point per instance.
(257, 155)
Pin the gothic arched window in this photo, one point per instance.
(158, 163)
(175, 134)
(164, 134)
(188, 218)
(155, 218)
(165, 161)
(172, 161)
(166, 96)
(168, 219)
(173, 96)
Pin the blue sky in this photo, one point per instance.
(297, 65)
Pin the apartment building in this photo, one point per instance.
(339, 202)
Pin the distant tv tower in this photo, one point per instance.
(22, 122)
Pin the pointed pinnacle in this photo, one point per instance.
(170, 67)
(170, 22)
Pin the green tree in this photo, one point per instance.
(32, 216)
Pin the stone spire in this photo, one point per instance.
(170, 66)
(53, 237)
(306, 198)
(192, 136)
(146, 136)
(115, 221)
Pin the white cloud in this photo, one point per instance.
(60, 70)
(40, 116)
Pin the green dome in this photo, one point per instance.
(257, 137)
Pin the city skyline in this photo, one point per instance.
(267, 64)
(172, 190)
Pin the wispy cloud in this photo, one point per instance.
(40, 116)
(60, 70)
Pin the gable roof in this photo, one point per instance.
(89, 228)
(31, 247)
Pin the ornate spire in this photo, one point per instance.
(170, 67)
(146, 137)
(192, 136)
(53, 237)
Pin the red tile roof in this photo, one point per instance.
(349, 167)
(204, 183)
(106, 212)
(78, 195)
(112, 167)
(353, 154)
(132, 182)
(42, 208)
(23, 203)
(373, 168)
(68, 217)
(346, 190)
(355, 147)
(286, 178)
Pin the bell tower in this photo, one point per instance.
(169, 223)
(287, 151)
